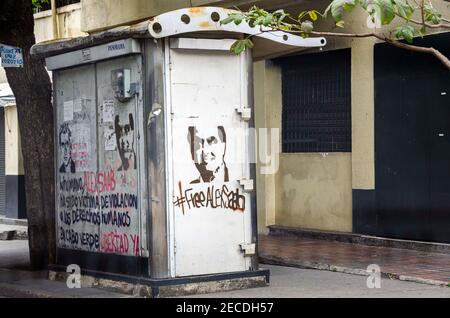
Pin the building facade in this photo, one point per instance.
(12, 187)
(363, 143)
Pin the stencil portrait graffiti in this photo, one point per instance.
(125, 143)
(65, 143)
(208, 146)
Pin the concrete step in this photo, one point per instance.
(13, 232)
(9, 221)
(430, 247)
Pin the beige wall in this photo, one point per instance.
(310, 190)
(102, 14)
(315, 191)
(69, 23)
(13, 158)
(267, 85)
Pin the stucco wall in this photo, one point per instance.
(310, 190)
(101, 14)
(267, 87)
(69, 23)
(314, 191)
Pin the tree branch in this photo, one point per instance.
(435, 26)
(428, 50)
(422, 12)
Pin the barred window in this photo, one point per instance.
(316, 115)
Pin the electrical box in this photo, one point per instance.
(121, 83)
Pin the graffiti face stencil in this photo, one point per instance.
(208, 147)
(125, 142)
(65, 143)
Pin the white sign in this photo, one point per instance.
(108, 111)
(110, 138)
(11, 56)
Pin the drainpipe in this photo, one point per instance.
(54, 20)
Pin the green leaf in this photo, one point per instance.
(259, 20)
(432, 15)
(313, 15)
(406, 32)
(403, 9)
(238, 47)
(302, 15)
(249, 44)
(337, 7)
(423, 31)
(384, 11)
(340, 24)
(349, 6)
(228, 20)
(268, 20)
(286, 27)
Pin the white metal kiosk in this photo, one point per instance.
(154, 179)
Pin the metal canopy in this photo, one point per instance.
(207, 20)
(200, 22)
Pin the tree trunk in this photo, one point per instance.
(32, 90)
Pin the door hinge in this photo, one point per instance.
(245, 112)
(247, 184)
(249, 249)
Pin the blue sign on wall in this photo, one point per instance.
(11, 56)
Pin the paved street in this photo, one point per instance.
(285, 282)
(310, 283)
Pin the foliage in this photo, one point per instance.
(379, 11)
(37, 4)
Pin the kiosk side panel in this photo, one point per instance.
(100, 178)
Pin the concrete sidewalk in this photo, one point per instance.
(395, 263)
(16, 280)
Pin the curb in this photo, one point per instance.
(8, 221)
(9, 290)
(271, 260)
(14, 235)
